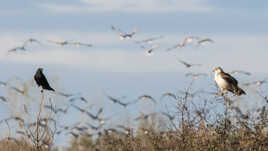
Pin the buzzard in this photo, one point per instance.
(226, 82)
(41, 80)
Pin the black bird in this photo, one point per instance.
(41, 80)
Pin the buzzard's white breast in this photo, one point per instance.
(220, 81)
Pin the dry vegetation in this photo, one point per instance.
(198, 121)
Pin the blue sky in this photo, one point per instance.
(239, 29)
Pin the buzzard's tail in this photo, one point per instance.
(238, 91)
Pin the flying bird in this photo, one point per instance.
(117, 101)
(79, 128)
(78, 98)
(204, 41)
(258, 82)
(149, 40)
(22, 48)
(23, 92)
(144, 116)
(74, 134)
(146, 97)
(226, 82)
(195, 75)
(95, 128)
(41, 80)
(3, 83)
(78, 44)
(79, 108)
(151, 50)
(123, 35)
(188, 65)
(3, 99)
(56, 110)
(127, 130)
(185, 41)
(92, 116)
(172, 95)
(61, 43)
(31, 40)
(240, 72)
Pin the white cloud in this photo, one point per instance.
(130, 6)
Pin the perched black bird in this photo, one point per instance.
(41, 80)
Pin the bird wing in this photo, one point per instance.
(184, 63)
(117, 30)
(240, 71)
(185, 40)
(37, 76)
(149, 39)
(30, 40)
(3, 98)
(205, 40)
(229, 78)
(42, 80)
(87, 45)
(154, 38)
(13, 49)
(133, 32)
(174, 47)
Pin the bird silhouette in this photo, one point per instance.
(123, 35)
(204, 41)
(41, 80)
(188, 65)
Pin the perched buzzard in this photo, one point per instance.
(41, 80)
(226, 82)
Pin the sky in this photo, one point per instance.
(121, 68)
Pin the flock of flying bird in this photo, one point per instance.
(224, 81)
(60, 43)
(144, 44)
(42, 82)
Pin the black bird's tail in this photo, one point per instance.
(50, 89)
(47, 88)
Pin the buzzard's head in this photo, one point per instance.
(218, 70)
